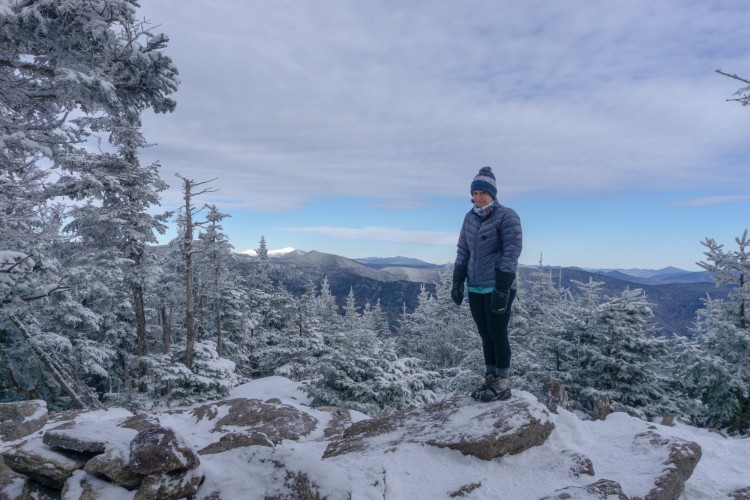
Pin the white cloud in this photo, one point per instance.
(381, 234)
(706, 201)
(289, 102)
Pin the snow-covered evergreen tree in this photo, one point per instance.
(215, 254)
(71, 71)
(715, 367)
(361, 370)
(731, 268)
(538, 331)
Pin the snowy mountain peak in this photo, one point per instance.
(275, 253)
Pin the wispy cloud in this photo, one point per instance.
(288, 102)
(706, 201)
(381, 234)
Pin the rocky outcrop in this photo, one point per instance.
(113, 465)
(496, 430)
(682, 455)
(288, 450)
(21, 419)
(170, 486)
(580, 465)
(251, 422)
(159, 450)
(83, 458)
(604, 489)
(43, 465)
(9, 481)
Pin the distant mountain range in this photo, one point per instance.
(396, 282)
(386, 262)
(658, 276)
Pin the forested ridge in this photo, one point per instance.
(90, 317)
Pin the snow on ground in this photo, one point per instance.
(414, 471)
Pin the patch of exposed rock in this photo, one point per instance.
(158, 450)
(683, 456)
(493, 430)
(251, 422)
(83, 459)
(21, 419)
(35, 460)
(604, 489)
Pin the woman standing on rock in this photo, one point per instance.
(488, 249)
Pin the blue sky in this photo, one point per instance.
(355, 128)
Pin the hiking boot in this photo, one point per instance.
(484, 387)
(495, 389)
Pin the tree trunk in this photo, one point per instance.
(187, 249)
(743, 322)
(140, 320)
(189, 311)
(217, 308)
(200, 326)
(165, 330)
(51, 367)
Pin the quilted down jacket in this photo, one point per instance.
(487, 244)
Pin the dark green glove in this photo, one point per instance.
(459, 276)
(501, 295)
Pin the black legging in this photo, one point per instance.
(493, 328)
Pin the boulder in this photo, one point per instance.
(683, 456)
(11, 483)
(580, 464)
(35, 460)
(604, 489)
(113, 465)
(88, 437)
(250, 422)
(170, 486)
(235, 440)
(83, 486)
(157, 450)
(494, 430)
(740, 494)
(140, 422)
(22, 418)
(36, 491)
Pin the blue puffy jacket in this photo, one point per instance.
(487, 244)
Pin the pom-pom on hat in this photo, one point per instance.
(485, 181)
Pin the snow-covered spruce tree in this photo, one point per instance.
(621, 358)
(226, 318)
(541, 342)
(361, 370)
(215, 253)
(69, 70)
(731, 268)
(115, 229)
(442, 335)
(716, 365)
(260, 288)
(188, 212)
(292, 349)
(375, 319)
(716, 369)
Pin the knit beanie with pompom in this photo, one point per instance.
(485, 181)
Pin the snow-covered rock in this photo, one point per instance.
(485, 431)
(256, 445)
(20, 419)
